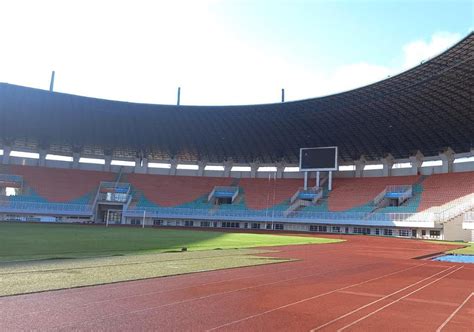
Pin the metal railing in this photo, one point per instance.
(462, 205)
(11, 206)
(469, 217)
(279, 215)
(234, 191)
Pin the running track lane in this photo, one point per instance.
(373, 279)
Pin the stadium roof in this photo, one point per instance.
(427, 108)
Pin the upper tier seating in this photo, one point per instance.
(260, 193)
(61, 185)
(167, 191)
(440, 189)
(58, 185)
(356, 193)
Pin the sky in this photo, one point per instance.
(221, 52)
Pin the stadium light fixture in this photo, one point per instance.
(57, 157)
(240, 169)
(291, 169)
(347, 168)
(214, 168)
(1, 152)
(21, 154)
(83, 160)
(187, 167)
(463, 160)
(432, 163)
(122, 163)
(267, 169)
(373, 167)
(159, 165)
(401, 165)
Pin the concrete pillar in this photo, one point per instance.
(75, 160)
(143, 168)
(387, 163)
(359, 167)
(42, 158)
(448, 159)
(6, 155)
(280, 168)
(416, 162)
(201, 164)
(253, 169)
(227, 167)
(108, 160)
(173, 167)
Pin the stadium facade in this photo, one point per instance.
(405, 154)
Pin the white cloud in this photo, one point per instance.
(420, 50)
(143, 50)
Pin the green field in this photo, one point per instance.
(39, 257)
(48, 241)
(468, 250)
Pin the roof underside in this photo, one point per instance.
(428, 108)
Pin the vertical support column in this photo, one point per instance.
(416, 162)
(201, 164)
(141, 165)
(280, 168)
(448, 160)
(317, 179)
(42, 158)
(388, 162)
(330, 180)
(75, 160)
(6, 155)
(227, 167)
(253, 169)
(305, 180)
(173, 168)
(359, 167)
(108, 160)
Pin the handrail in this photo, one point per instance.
(280, 214)
(40, 207)
(469, 217)
(463, 204)
(380, 197)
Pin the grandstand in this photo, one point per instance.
(406, 148)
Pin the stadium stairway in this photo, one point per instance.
(357, 194)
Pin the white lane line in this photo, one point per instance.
(398, 300)
(215, 294)
(312, 298)
(454, 313)
(376, 301)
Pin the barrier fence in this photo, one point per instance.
(12, 206)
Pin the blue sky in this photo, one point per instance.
(221, 52)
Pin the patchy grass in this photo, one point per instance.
(40, 257)
(468, 250)
(19, 242)
(27, 277)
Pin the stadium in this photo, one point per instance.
(404, 149)
(381, 168)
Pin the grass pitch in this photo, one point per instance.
(39, 257)
(19, 242)
(34, 276)
(468, 250)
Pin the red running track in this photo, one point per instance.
(365, 283)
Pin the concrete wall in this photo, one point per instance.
(453, 230)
